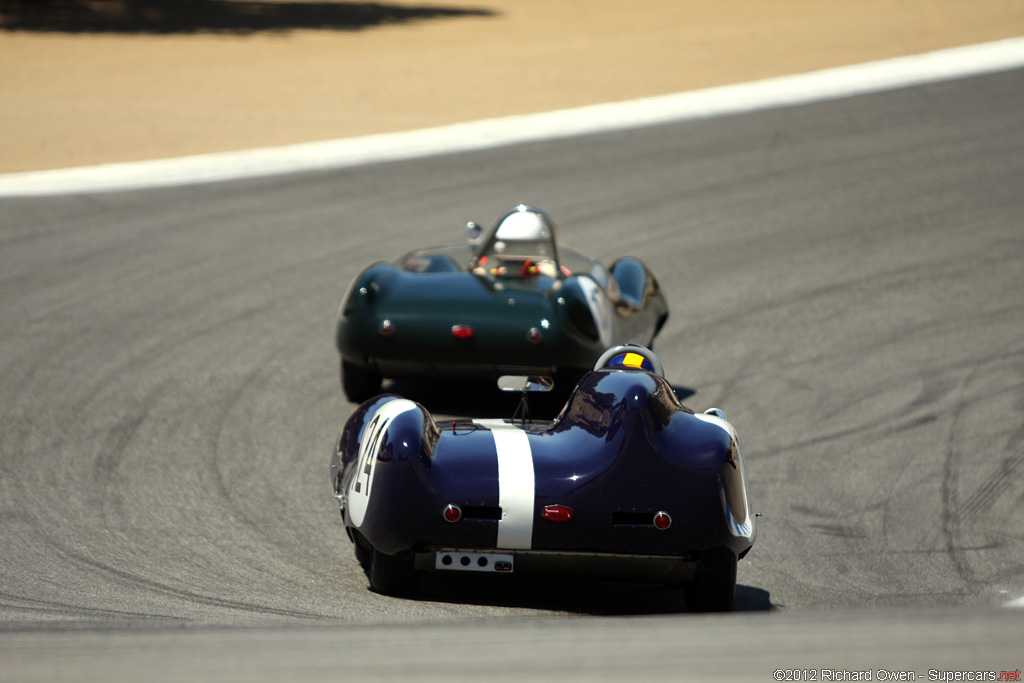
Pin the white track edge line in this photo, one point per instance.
(816, 86)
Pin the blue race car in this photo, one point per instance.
(625, 483)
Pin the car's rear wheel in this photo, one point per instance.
(359, 383)
(391, 575)
(714, 585)
(363, 551)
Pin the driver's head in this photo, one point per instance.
(629, 360)
(525, 224)
(630, 357)
(522, 237)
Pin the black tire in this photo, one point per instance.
(714, 586)
(657, 329)
(359, 383)
(364, 553)
(391, 575)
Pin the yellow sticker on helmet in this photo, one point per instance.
(633, 360)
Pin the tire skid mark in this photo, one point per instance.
(118, 439)
(51, 607)
(228, 406)
(837, 530)
(114, 447)
(952, 267)
(827, 526)
(906, 421)
(1000, 482)
(168, 590)
(951, 521)
(859, 430)
(220, 459)
(727, 386)
(956, 512)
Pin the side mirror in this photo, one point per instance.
(522, 383)
(473, 233)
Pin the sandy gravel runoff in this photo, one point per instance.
(91, 81)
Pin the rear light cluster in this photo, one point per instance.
(387, 328)
(563, 513)
(454, 513)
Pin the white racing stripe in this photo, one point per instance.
(816, 86)
(516, 485)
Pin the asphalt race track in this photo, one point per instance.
(846, 282)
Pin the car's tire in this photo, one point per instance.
(657, 330)
(359, 383)
(391, 575)
(714, 585)
(363, 552)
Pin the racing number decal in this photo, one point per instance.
(600, 308)
(733, 486)
(373, 436)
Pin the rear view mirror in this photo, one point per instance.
(524, 383)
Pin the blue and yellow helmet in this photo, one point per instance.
(630, 357)
(630, 360)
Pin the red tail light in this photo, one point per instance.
(557, 513)
(662, 520)
(452, 513)
(534, 336)
(462, 331)
(387, 328)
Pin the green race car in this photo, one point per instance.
(512, 302)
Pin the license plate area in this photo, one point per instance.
(457, 560)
